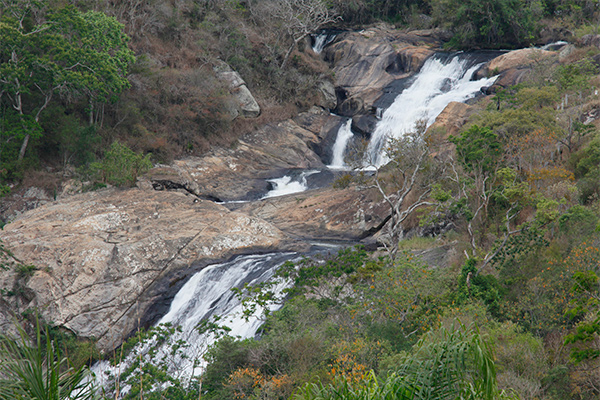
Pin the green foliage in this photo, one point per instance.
(526, 242)
(586, 302)
(490, 24)
(121, 166)
(223, 358)
(445, 364)
(474, 285)
(586, 163)
(78, 55)
(576, 76)
(478, 148)
(39, 370)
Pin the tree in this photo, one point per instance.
(406, 181)
(445, 364)
(65, 52)
(490, 23)
(298, 18)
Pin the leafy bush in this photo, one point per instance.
(121, 166)
(492, 23)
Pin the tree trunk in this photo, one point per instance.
(24, 147)
(287, 55)
(289, 52)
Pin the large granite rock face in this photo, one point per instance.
(239, 172)
(365, 62)
(326, 214)
(514, 66)
(104, 258)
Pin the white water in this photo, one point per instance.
(435, 86)
(322, 40)
(339, 147)
(206, 294)
(287, 185)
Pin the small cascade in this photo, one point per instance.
(339, 147)
(441, 80)
(288, 184)
(206, 294)
(321, 40)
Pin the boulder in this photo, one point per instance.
(516, 59)
(328, 96)
(365, 62)
(247, 105)
(451, 119)
(106, 259)
(364, 124)
(591, 40)
(409, 58)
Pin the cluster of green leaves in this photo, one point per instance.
(444, 364)
(49, 55)
(490, 24)
(121, 166)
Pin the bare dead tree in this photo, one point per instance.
(406, 181)
(298, 18)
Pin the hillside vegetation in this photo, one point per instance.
(514, 313)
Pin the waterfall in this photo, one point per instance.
(206, 294)
(321, 40)
(339, 147)
(288, 185)
(440, 81)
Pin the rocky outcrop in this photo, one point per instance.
(514, 66)
(239, 172)
(367, 61)
(450, 120)
(246, 103)
(591, 40)
(522, 58)
(325, 214)
(104, 258)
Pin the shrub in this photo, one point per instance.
(121, 166)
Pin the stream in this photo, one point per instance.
(442, 79)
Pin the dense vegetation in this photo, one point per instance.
(516, 310)
(70, 85)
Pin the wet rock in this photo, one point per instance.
(364, 124)
(326, 213)
(367, 61)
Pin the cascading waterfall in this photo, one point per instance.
(439, 82)
(288, 185)
(339, 147)
(321, 40)
(206, 294)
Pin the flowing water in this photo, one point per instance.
(206, 294)
(339, 147)
(440, 81)
(321, 40)
(289, 185)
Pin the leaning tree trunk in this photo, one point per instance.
(289, 52)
